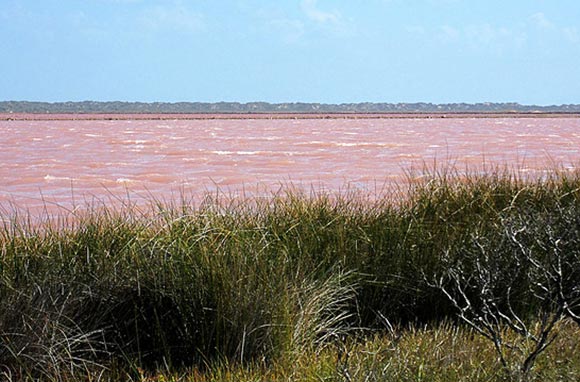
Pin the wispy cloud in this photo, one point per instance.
(493, 35)
(274, 22)
(130, 23)
(572, 34)
(331, 23)
(541, 21)
(536, 28)
(481, 36)
(304, 22)
(311, 10)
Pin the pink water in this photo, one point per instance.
(46, 162)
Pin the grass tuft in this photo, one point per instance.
(290, 287)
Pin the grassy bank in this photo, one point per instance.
(436, 354)
(297, 286)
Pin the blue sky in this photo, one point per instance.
(440, 51)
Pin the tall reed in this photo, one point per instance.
(174, 284)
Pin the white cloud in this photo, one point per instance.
(566, 33)
(311, 10)
(572, 34)
(487, 34)
(482, 35)
(536, 27)
(540, 20)
(310, 23)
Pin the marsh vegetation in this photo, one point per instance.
(453, 277)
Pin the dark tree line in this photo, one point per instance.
(265, 107)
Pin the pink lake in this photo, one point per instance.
(68, 162)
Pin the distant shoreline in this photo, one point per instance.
(225, 116)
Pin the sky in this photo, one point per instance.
(341, 51)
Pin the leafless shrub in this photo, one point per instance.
(521, 280)
(550, 246)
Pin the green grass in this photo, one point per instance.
(288, 287)
(440, 353)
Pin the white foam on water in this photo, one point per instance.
(123, 180)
